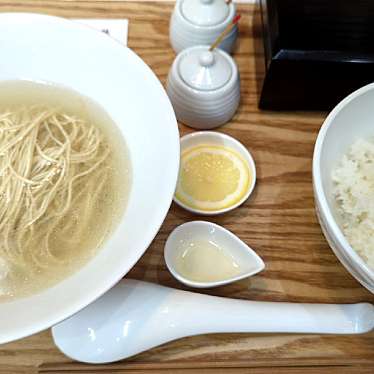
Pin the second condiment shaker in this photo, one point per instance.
(200, 22)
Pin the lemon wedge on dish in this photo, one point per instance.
(212, 178)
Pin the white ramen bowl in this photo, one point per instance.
(44, 48)
(351, 119)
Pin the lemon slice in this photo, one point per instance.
(212, 178)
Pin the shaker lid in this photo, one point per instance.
(204, 70)
(205, 12)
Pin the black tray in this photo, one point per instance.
(316, 51)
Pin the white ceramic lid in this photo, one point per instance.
(205, 12)
(204, 70)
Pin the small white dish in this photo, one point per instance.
(217, 138)
(247, 259)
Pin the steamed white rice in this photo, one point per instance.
(354, 193)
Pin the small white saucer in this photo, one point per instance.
(248, 260)
(217, 138)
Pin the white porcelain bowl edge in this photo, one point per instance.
(350, 120)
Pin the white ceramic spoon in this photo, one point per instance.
(135, 316)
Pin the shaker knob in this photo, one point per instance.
(207, 59)
(206, 1)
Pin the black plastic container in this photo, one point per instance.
(316, 51)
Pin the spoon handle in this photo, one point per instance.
(227, 315)
(210, 314)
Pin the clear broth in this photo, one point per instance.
(108, 208)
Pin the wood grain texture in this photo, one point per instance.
(278, 222)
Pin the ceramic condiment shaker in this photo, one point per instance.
(200, 22)
(204, 87)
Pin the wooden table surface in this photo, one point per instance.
(278, 222)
